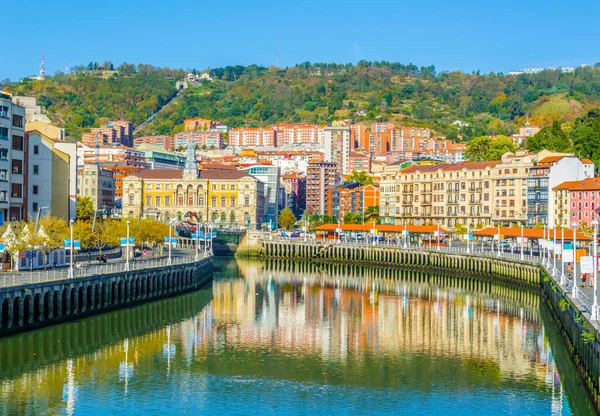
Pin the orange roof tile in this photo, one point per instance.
(535, 233)
(583, 185)
(551, 159)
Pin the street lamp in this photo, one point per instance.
(562, 255)
(171, 223)
(468, 240)
(554, 270)
(498, 239)
(595, 273)
(438, 237)
(522, 239)
(542, 248)
(71, 266)
(127, 248)
(574, 227)
(197, 235)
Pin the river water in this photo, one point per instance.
(289, 338)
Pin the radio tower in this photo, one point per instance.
(42, 69)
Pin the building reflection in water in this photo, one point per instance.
(342, 320)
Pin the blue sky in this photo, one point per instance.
(466, 35)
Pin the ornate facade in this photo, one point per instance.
(219, 194)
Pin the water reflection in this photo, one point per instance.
(320, 339)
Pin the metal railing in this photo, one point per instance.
(59, 274)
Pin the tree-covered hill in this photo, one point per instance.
(321, 93)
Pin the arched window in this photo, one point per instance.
(200, 200)
(179, 216)
(190, 200)
(214, 216)
(223, 217)
(246, 218)
(232, 217)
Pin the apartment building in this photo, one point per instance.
(253, 137)
(358, 136)
(113, 132)
(268, 175)
(547, 173)
(195, 124)
(111, 154)
(12, 159)
(441, 194)
(166, 142)
(351, 197)
(156, 157)
(320, 177)
(294, 186)
(299, 134)
(48, 177)
(204, 139)
(577, 201)
(98, 184)
(337, 147)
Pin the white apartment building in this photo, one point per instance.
(337, 147)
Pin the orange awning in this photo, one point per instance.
(535, 233)
(383, 228)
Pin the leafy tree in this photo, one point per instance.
(352, 218)
(586, 229)
(150, 231)
(550, 138)
(361, 177)
(460, 229)
(287, 219)
(372, 214)
(112, 232)
(84, 208)
(82, 231)
(485, 148)
(586, 136)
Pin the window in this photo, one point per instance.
(232, 201)
(167, 186)
(213, 201)
(3, 175)
(35, 206)
(223, 187)
(130, 199)
(190, 200)
(36, 151)
(232, 187)
(158, 186)
(17, 166)
(17, 142)
(148, 186)
(4, 133)
(246, 201)
(167, 201)
(222, 201)
(3, 111)
(35, 190)
(214, 187)
(36, 169)
(157, 200)
(17, 121)
(148, 200)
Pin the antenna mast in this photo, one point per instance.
(42, 68)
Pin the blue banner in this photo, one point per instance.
(76, 244)
(124, 241)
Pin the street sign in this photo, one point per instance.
(196, 236)
(124, 241)
(567, 256)
(76, 244)
(1, 247)
(587, 264)
(470, 236)
(173, 241)
(557, 248)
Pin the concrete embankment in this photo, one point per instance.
(29, 306)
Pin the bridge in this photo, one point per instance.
(33, 300)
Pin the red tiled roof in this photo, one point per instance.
(583, 185)
(586, 162)
(160, 174)
(223, 174)
(551, 159)
(454, 166)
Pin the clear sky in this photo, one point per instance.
(468, 35)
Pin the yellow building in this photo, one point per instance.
(218, 194)
(47, 129)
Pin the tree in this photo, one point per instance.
(82, 231)
(361, 177)
(485, 148)
(372, 214)
(84, 208)
(586, 136)
(55, 231)
(112, 231)
(585, 229)
(460, 229)
(550, 138)
(150, 231)
(352, 218)
(287, 219)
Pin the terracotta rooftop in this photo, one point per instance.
(534, 233)
(385, 228)
(588, 184)
(449, 167)
(160, 174)
(551, 159)
(223, 174)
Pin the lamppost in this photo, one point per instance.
(127, 248)
(71, 266)
(197, 235)
(574, 227)
(170, 261)
(405, 234)
(522, 239)
(498, 239)
(595, 273)
(542, 248)
(554, 270)
(468, 240)
(438, 237)
(562, 255)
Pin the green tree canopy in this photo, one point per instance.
(485, 148)
(586, 136)
(549, 138)
(361, 177)
(352, 218)
(287, 219)
(84, 208)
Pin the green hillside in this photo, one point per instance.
(320, 93)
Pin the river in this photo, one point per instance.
(288, 338)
